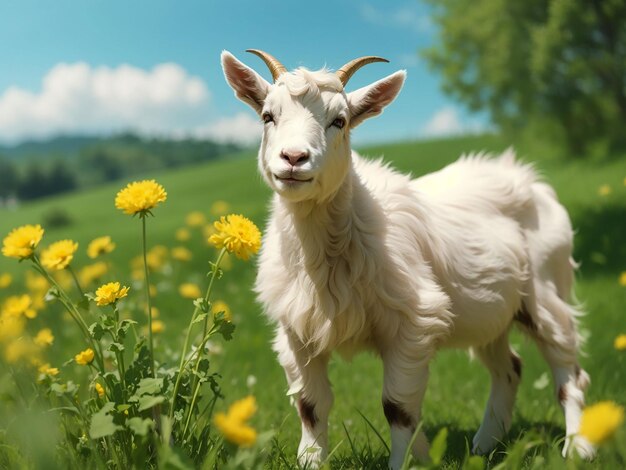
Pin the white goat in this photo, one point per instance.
(357, 256)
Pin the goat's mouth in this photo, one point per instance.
(291, 179)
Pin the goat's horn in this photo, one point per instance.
(272, 63)
(345, 72)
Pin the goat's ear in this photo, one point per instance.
(249, 86)
(370, 100)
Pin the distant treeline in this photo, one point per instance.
(98, 161)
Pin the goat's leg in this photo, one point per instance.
(404, 386)
(309, 385)
(505, 368)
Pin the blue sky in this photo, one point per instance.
(102, 66)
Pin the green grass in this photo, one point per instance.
(458, 386)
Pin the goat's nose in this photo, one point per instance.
(294, 156)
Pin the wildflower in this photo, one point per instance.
(155, 259)
(233, 423)
(221, 306)
(17, 305)
(622, 279)
(139, 197)
(5, 280)
(11, 326)
(238, 235)
(155, 312)
(35, 283)
(195, 219)
(21, 242)
(45, 369)
(92, 272)
(620, 343)
(181, 253)
(44, 337)
(189, 290)
(600, 421)
(158, 326)
(100, 246)
(99, 390)
(219, 208)
(152, 289)
(20, 348)
(604, 190)
(59, 255)
(182, 235)
(85, 357)
(110, 293)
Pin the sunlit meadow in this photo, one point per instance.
(130, 339)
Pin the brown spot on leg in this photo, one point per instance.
(517, 365)
(396, 415)
(562, 394)
(307, 413)
(524, 318)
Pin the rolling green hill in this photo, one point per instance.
(458, 387)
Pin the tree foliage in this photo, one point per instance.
(554, 65)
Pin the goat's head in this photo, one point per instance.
(307, 115)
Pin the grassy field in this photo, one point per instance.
(458, 386)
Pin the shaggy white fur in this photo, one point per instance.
(358, 256)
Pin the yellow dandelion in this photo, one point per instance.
(45, 369)
(92, 272)
(11, 327)
(620, 343)
(233, 424)
(604, 190)
(181, 253)
(44, 337)
(100, 246)
(99, 390)
(21, 242)
(36, 283)
(195, 219)
(20, 348)
(155, 312)
(182, 235)
(5, 280)
(17, 305)
(110, 293)
(85, 357)
(189, 290)
(139, 197)
(219, 208)
(221, 306)
(622, 279)
(158, 326)
(59, 254)
(238, 235)
(600, 421)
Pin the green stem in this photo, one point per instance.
(72, 310)
(188, 335)
(149, 300)
(205, 337)
(80, 290)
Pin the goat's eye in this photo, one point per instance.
(267, 118)
(339, 123)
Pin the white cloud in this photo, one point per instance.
(78, 98)
(241, 128)
(447, 122)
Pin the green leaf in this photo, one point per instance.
(96, 331)
(438, 447)
(226, 329)
(475, 462)
(102, 424)
(116, 347)
(90, 296)
(203, 304)
(199, 318)
(149, 386)
(69, 388)
(53, 292)
(148, 401)
(140, 427)
(122, 408)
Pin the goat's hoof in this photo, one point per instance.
(585, 449)
(483, 442)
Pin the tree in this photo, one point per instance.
(8, 178)
(556, 65)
